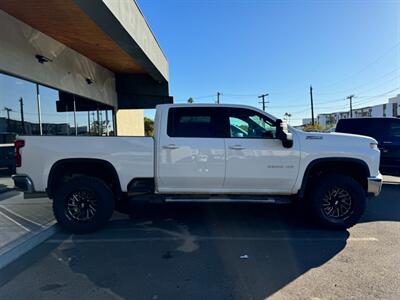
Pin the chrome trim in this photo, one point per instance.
(23, 182)
(375, 185)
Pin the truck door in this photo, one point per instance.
(191, 152)
(256, 161)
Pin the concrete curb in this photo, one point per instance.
(16, 249)
(5, 190)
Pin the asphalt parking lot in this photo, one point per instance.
(217, 252)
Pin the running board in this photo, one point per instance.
(226, 199)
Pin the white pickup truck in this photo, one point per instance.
(209, 153)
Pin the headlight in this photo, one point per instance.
(373, 146)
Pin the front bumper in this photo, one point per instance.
(23, 182)
(375, 185)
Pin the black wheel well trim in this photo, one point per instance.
(317, 161)
(133, 180)
(107, 164)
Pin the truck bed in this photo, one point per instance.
(132, 157)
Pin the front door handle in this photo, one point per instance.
(170, 146)
(388, 142)
(237, 147)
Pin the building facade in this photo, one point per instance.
(75, 64)
(390, 109)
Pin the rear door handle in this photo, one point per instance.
(237, 147)
(388, 142)
(170, 146)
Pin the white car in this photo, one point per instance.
(208, 153)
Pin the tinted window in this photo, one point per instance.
(7, 138)
(394, 130)
(368, 127)
(246, 123)
(191, 122)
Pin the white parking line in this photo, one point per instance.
(22, 217)
(15, 222)
(212, 238)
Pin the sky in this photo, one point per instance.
(247, 48)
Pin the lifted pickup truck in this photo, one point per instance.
(208, 153)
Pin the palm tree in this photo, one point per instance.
(288, 116)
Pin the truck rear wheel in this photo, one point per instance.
(83, 204)
(337, 201)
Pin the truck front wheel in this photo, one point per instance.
(337, 201)
(83, 204)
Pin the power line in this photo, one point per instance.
(202, 97)
(376, 96)
(365, 83)
(241, 95)
(367, 66)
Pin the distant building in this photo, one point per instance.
(390, 109)
(48, 128)
(307, 121)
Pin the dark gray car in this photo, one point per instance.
(386, 131)
(7, 152)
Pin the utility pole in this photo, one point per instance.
(101, 122)
(107, 133)
(7, 109)
(66, 118)
(98, 122)
(351, 104)
(263, 96)
(93, 122)
(39, 110)
(312, 106)
(21, 105)
(75, 124)
(88, 121)
(218, 94)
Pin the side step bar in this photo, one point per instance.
(229, 199)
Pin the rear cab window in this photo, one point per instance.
(193, 122)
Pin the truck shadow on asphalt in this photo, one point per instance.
(197, 251)
(3, 178)
(386, 207)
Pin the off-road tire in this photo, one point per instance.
(350, 192)
(101, 194)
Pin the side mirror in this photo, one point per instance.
(283, 134)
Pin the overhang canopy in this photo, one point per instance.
(112, 33)
(92, 29)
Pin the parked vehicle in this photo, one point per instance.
(7, 151)
(386, 131)
(202, 153)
